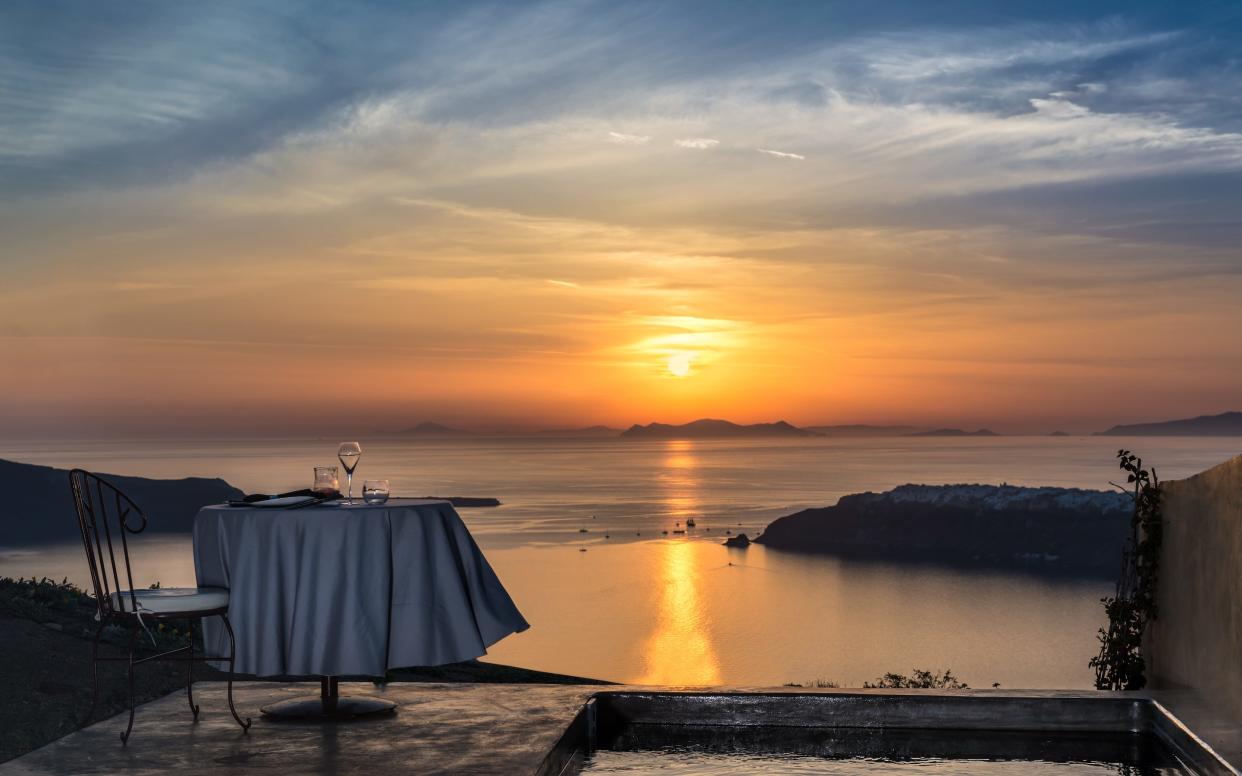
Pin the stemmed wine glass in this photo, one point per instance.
(349, 453)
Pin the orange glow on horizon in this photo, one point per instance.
(297, 342)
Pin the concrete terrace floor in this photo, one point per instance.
(438, 729)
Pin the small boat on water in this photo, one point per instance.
(690, 523)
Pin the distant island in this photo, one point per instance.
(709, 428)
(1224, 424)
(1061, 530)
(427, 428)
(698, 429)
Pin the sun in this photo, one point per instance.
(679, 364)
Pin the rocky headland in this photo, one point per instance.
(1066, 530)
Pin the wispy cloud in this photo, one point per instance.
(624, 139)
(697, 142)
(135, 74)
(780, 154)
(916, 57)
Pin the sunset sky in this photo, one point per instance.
(289, 216)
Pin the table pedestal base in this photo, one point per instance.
(329, 705)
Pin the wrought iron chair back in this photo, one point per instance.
(106, 517)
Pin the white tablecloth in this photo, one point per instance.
(349, 590)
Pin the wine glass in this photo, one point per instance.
(349, 453)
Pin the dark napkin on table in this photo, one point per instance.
(254, 497)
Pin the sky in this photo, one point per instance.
(290, 216)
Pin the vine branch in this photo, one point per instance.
(1120, 665)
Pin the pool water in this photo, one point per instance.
(699, 751)
(697, 763)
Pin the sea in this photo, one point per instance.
(646, 604)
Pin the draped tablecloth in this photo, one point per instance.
(349, 590)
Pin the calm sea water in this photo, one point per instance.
(642, 606)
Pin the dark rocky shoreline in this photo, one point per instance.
(1059, 530)
(39, 509)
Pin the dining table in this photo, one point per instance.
(348, 589)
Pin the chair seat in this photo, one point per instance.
(173, 600)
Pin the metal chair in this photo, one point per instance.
(106, 517)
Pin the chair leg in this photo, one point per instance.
(245, 724)
(90, 714)
(133, 637)
(189, 673)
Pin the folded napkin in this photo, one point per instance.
(254, 497)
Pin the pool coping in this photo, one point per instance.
(1036, 711)
(473, 728)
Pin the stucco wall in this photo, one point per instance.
(1196, 642)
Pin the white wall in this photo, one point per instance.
(1196, 642)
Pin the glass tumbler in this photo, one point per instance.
(375, 491)
(327, 481)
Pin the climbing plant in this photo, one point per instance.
(1120, 664)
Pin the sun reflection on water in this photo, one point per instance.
(679, 480)
(680, 652)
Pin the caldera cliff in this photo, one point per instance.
(1061, 530)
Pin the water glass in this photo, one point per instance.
(327, 481)
(375, 491)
